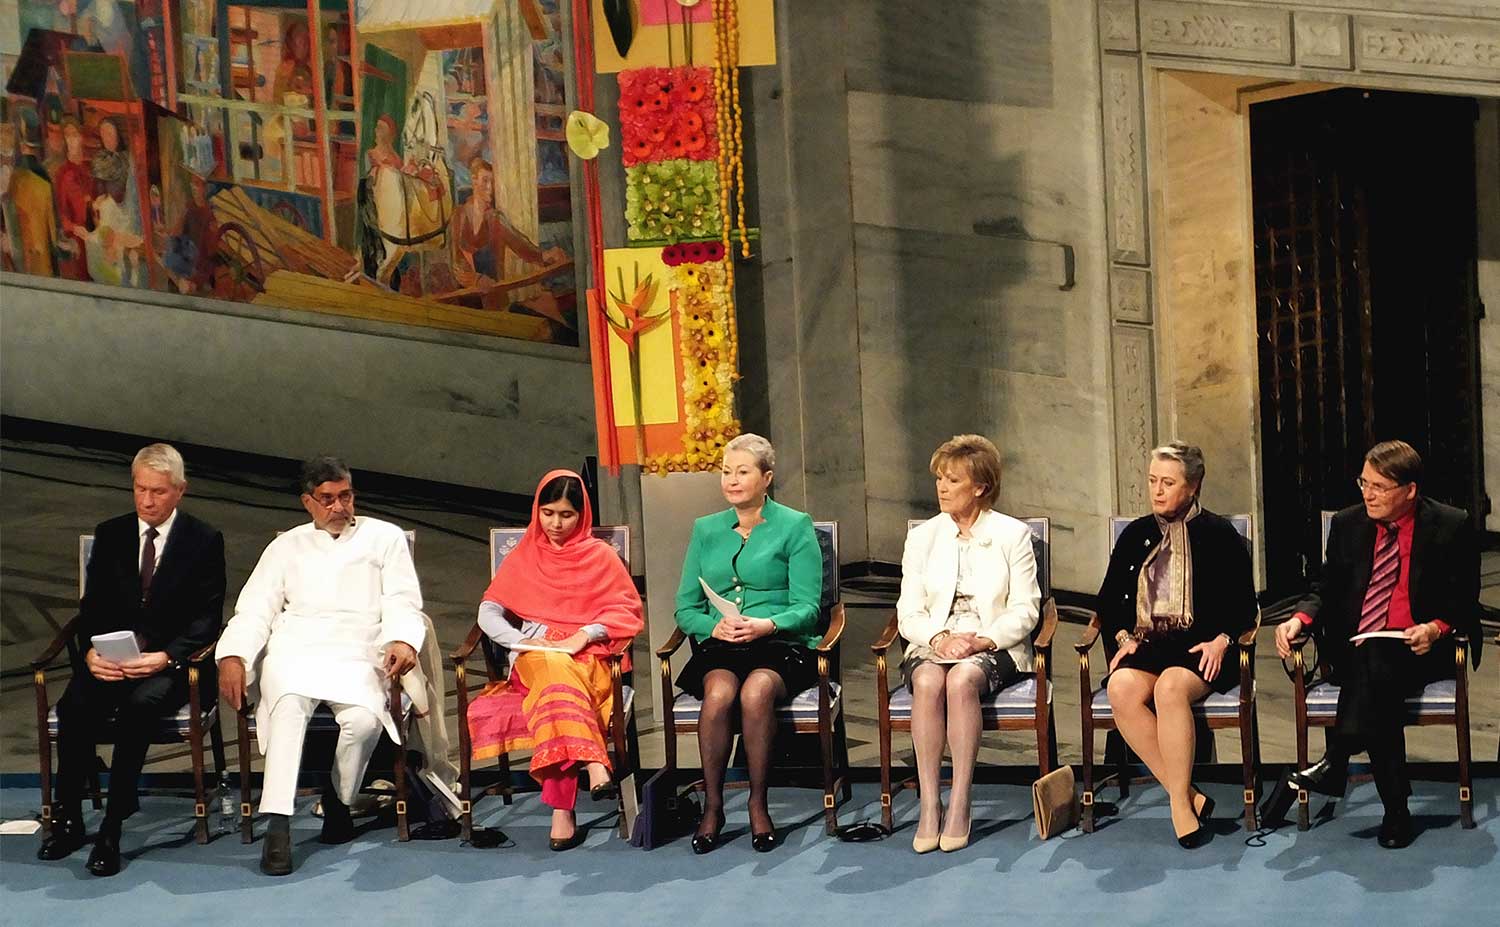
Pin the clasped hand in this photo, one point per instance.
(958, 645)
(743, 630)
(107, 670)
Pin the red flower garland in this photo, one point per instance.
(667, 113)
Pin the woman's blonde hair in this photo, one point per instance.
(977, 456)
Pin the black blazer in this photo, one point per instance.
(1444, 575)
(187, 589)
(1223, 584)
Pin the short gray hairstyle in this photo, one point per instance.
(324, 468)
(757, 447)
(1189, 455)
(163, 458)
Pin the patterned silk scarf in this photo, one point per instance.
(1164, 589)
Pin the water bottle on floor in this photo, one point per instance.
(228, 813)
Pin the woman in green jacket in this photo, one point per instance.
(764, 559)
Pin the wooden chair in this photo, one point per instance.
(1024, 705)
(818, 710)
(1444, 702)
(323, 724)
(183, 725)
(622, 728)
(1234, 709)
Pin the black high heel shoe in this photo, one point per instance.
(707, 843)
(1194, 840)
(607, 790)
(764, 843)
(1208, 806)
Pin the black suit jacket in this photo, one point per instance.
(186, 607)
(1223, 581)
(1444, 575)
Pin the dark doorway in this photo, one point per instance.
(1366, 304)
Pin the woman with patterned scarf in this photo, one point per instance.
(1177, 594)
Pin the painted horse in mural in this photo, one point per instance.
(406, 202)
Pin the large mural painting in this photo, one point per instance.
(397, 160)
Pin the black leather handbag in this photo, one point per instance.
(665, 815)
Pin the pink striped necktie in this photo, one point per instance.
(1384, 574)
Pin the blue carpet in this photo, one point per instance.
(1129, 872)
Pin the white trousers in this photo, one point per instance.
(359, 733)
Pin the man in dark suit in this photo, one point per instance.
(1403, 563)
(158, 572)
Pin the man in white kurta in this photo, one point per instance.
(331, 612)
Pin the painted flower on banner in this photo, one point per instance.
(672, 200)
(707, 365)
(667, 113)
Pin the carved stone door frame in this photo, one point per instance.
(1431, 46)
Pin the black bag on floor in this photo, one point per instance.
(665, 815)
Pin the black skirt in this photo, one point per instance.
(1159, 652)
(795, 664)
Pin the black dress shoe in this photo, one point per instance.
(764, 843)
(338, 822)
(1194, 840)
(104, 859)
(66, 837)
(276, 853)
(559, 844)
(1396, 831)
(1326, 777)
(707, 843)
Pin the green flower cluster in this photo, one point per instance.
(672, 200)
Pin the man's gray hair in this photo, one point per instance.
(163, 458)
(324, 468)
(757, 447)
(1190, 456)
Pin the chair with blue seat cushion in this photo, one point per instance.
(818, 710)
(622, 728)
(1024, 705)
(186, 724)
(1234, 709)
(322, 724)
(1445, 702)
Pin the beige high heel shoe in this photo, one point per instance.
(928, 844)
(948, 844)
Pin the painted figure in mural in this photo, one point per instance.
(482, 235)
(75, 191)
(408, 197)
(29, 214)
(189, 257)
(114, 247)
(294, 75)
(338, 79)
(113, 26)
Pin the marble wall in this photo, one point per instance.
(931, 193)
(1210, 380)
(257, 381)
(1488, 187)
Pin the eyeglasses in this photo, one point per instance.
(1375, 488)
(345, 498)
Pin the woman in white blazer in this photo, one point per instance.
(969, 601)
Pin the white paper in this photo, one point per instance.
(532, 645)
(119, 646)
(727, 609)
(1395, 635)
(25, 826)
